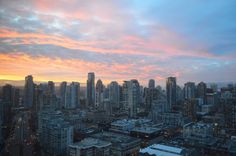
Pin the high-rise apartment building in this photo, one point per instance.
(91, 89)
(28, 92)
(171, 92)
(189, 90)
(133, 97)
(99, 98)
(151, 84)
(114, 95)
(201, 91)
(62, 93)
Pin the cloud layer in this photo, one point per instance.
(118, 40)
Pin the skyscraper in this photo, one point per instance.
(7, 102)
(75, 88)
(201, 91)
(151, 84)
(149, 94)
(91, 89)
(133, 97)
(51, 87)
(114, 96)
(171, 92)
(16, 97)
(28, 92)
(124, 95)
(189, 90)
(63, 93)
(99, 94)
(72, 95)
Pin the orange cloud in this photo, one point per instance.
(17, 65)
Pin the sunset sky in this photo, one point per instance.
(194, 40)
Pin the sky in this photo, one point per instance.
(61, 40)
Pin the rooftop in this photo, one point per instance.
(90, 142)
(162, 150)
(148, 130)
(116, 139)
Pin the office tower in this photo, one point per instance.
(189, 90)
(63, 93)
(28, 92)
(51, 87)
(151, 84)
(99, 94)
(75, 88)
(171, 92)
(114, 96)
(133, 97)
(91, 89)
(201, 91)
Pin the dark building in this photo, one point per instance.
(91, 89)
(189, 90)
(7, 102)
(229, 111)
(63, 86)
(16, 97)
(201, 91)
(151, 84)
(171, 92)
(28, 92)
(99, 94)
(190, 108)
(114, 95)
(51, 87)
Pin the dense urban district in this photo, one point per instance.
(198, 119)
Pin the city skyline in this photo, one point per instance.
(118, 40)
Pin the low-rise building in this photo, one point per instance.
(173, 119)
(90, 147)
(166, 150)
(145, 132)
(122, 145)
(126, 125)
(199, 133)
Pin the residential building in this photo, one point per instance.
(91, 89)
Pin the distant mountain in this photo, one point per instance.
(12, 82)
(20, 83)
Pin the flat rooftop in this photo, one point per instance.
(148, 130)
(90, 142)
(162, 150)
(116, 139)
